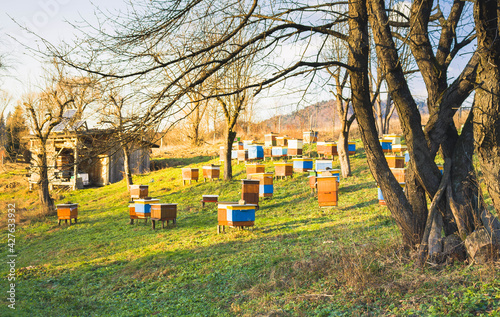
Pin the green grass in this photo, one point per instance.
(298, 260)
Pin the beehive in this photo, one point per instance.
(351, 148)
(283, 169)
(327, 190)
(255, 152)
(250, 191)
(329, 149)
(143, 207)
(131, 211)
(242, 155)
(323, 165)
(189, 174)
(386, 145)
(395, 138)
(281, 141)
(399, 174)
(238, 145)
(295, 147)
(320, 148)
(441, 168)
(381, 199)
(398, 148)
(139, 191)
(234, 154)
(265, 184)
(235, 215)
(211, 171)
(312, 179)
(302, 164)
(270, 139)
(310, 136)
(268, 151)
(279, 151)
(395, 161)
(210, 198)
(67, 212)
(255, 168)
(164, 212)
(247, 143)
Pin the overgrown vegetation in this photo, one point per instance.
(299, 260)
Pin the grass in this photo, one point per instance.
(299, 260)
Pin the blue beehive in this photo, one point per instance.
(386, 145)
(302, 164)
(255, 152)
(266, 189)
(279, 151)
(143, 206)
(236, 213)
(351, 148)
(322, 165)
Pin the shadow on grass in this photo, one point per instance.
(354, 188)
(361, 205)
(157, 164)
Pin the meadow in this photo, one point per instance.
(298, 259)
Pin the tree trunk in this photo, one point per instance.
(126, 166)
(228, 169)
(343, 151)
(487, 106)
(43, 184)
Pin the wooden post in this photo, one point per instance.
(75, 164)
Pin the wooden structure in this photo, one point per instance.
(398, 148)
(395, 161)
(310, 136)
(399, 174)
(247, 143)
(255, 168)
(138, 191)
(279, 151)
(395, 138)
(386, 145)
(242, 155)
(268, 152)
(189, 174)
(265, 183)
(321, 165)
(250, 191)
(238, 146)
(351, 148)
(270, 139)
(302, 164)
(235, 215)
(327, 190)
(283, 169)
(143, 208)
(328, 149)
(441, 168)
(381, 199)
(209, 199)
(163, 212)
(211, 172)
(255, 152)
(67, 212)
(131, 211)
(282, 141)
(312, 180)
(295, 147)
(75, 153)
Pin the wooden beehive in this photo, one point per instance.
(399, 174)
(250, 191)
(386, 145)
(255, 152)
(395, 161)
(281, 141)
(190, 174)
(295, 147)
(67, 212)
(139, 191)
(164, 212)
(210, 198)
(211, 172)
(441, 168)
(351, 147)
(323, 165)
(270, 139)
(265, 184)
(143, 207)
(395, 138)
(283, 169)
(312, 180)
(301, 165)
(255, 168)
(327, 190)
(398, 148)
(235, 215)
(242, 155)
(268, 151)
(131, 211)
(310, 136)
(330, 149)
(238, 146)
(279, 151)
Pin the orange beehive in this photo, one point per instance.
(395, 161)
(67, 212)
(283, 169)
(327, 190)
(255, 168)
(399, 174)
(250, 191)
(329, 149)
(268, 151)
(189, 174)
(211, 172)
(265, 183)
(242, 155)
(138, 191)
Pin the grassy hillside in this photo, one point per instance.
(298, 260)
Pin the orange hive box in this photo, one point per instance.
(250, 191)
(211, 172)
(139, 191)
(395, 161)
(67, 212)
(327, 190)
(189, 174)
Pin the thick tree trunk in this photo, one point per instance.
(358, 61)
(126, 166)
(228, 169)
(343, 151)
(43, 184)
(487, 99)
